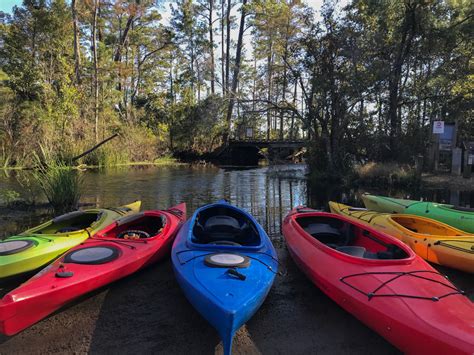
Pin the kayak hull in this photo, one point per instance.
(224, 300)
(435, 242)
(48, 246)
(412, 325)
(460, 218)
(52, 288)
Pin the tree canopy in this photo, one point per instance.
(360, 82)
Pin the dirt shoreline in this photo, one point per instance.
(148, 313)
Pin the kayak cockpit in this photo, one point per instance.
(424, 225)
(222, 225)
(350, 239)
(70, 222)
(137, 226)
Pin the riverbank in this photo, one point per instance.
(448, 181)
(165, 161)
(148, 313)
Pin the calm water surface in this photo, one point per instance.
(267, 192)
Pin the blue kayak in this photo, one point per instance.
(225, 264)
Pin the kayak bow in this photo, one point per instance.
(458, 217)
(225, 264)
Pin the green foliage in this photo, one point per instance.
(363, 83)
(9, 197)
(30, 190)
(60, 184)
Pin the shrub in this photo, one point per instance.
(384, 174)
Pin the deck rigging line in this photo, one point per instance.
(397, 275)
(214, 251)
(447, 245)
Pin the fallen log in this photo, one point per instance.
(95, 147)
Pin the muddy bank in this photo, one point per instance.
(448, 181)
(147, 312)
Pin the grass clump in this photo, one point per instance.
(385, 174)
(9, 197)
(60, 184)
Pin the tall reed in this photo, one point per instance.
(61, 185)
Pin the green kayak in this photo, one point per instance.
(458, 217)
(40, 245)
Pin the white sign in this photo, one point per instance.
(438, 127)
(249, 132)
(470, 160)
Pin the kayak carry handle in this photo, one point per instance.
(237, 274)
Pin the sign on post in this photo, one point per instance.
(438, 127)
(249, 132)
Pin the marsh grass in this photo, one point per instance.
(60, 184)
(385, 174)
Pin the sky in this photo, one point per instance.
(7, 5)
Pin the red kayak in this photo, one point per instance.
(119, 250)
(382, 282)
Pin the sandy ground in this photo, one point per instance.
(148, 313)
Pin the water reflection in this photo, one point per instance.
(267, 192)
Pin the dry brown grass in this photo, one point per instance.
(384, 174)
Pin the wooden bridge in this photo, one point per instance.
(268, 143)
(249, 151)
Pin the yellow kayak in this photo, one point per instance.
(40, 245)
(432, 240)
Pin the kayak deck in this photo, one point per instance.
(225, 264)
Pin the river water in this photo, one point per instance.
(267, 192)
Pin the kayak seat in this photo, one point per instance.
(392, 252)
(221, 228)
(224, 224)
(370, 255)
(353, 251)
(331, 236)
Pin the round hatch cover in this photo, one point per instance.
(227, 260)
(15, 246)
(92, 255)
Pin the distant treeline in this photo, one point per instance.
(363, 82)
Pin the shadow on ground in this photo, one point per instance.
(147, 312)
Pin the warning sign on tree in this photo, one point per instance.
(438, 127)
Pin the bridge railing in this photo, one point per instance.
(271, 140)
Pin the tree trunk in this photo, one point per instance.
(123, 38)
(235, 79)
(292, 126)
(269, 92)
(222, 48)
(96, 69)
(211, 43)
(254, 86)
(227, 58)
(77, 54)
(408, 32)
(285, 79)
